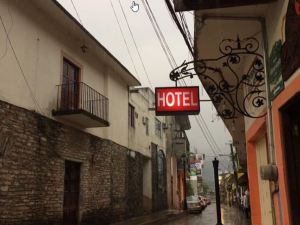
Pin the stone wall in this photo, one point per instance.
(33, 150)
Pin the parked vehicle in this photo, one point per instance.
(194, 204)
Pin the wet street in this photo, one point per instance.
(230, 216)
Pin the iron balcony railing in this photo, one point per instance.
(76, 97)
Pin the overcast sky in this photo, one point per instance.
(98, 17)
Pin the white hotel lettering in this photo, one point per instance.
(178, 98)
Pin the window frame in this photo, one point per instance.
(147, 125)
(131, 115)
(158, 124)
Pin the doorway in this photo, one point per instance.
(71, 193)
(70, 86)
(291, 134)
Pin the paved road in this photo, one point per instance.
(230, 216)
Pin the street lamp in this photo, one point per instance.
(217, 191)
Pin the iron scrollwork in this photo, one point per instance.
(234, 92)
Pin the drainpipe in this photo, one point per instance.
(262, 22)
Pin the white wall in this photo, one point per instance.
(40, 44)
(147, 185)
(143, 101)
(138, 140)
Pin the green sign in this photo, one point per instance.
(275, 75)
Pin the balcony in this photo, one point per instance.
(79, 104)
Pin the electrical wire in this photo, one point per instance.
(8, 31)
(21, 69)
(124, 39)
(186, 28)
(136, 47)
(76, 11)
(201, 123)
(175, 19)
(206, 133)
(159, 34)
(200, 116)
(206, 129)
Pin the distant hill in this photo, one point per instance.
(208, 172)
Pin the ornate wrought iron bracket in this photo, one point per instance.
(233, 91)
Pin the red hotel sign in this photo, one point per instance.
(177, 100)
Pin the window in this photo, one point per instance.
(147, 125)
(131, 116)
(157, 128)
(179, 134)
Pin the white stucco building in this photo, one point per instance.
(57, 66)
(147, 135)
(64, 137)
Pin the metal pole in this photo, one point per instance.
(269, 104)
(217, 191)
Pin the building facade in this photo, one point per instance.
(266, 132)
(147, 135)
(64, 143)
(177, 160)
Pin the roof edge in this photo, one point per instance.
(134, 79)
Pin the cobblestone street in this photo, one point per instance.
(230, 216)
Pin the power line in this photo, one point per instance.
(8, 31)
(206, 129)
(76, 11)
(124, 39)
(201, 123)
(200, 116)
(159, 34)
(21, 69)
(206, 133)
(173, 14)
(186, 28)
(137, 49)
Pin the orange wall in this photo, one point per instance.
(256, 130)
(253, 185)
(282, 99)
